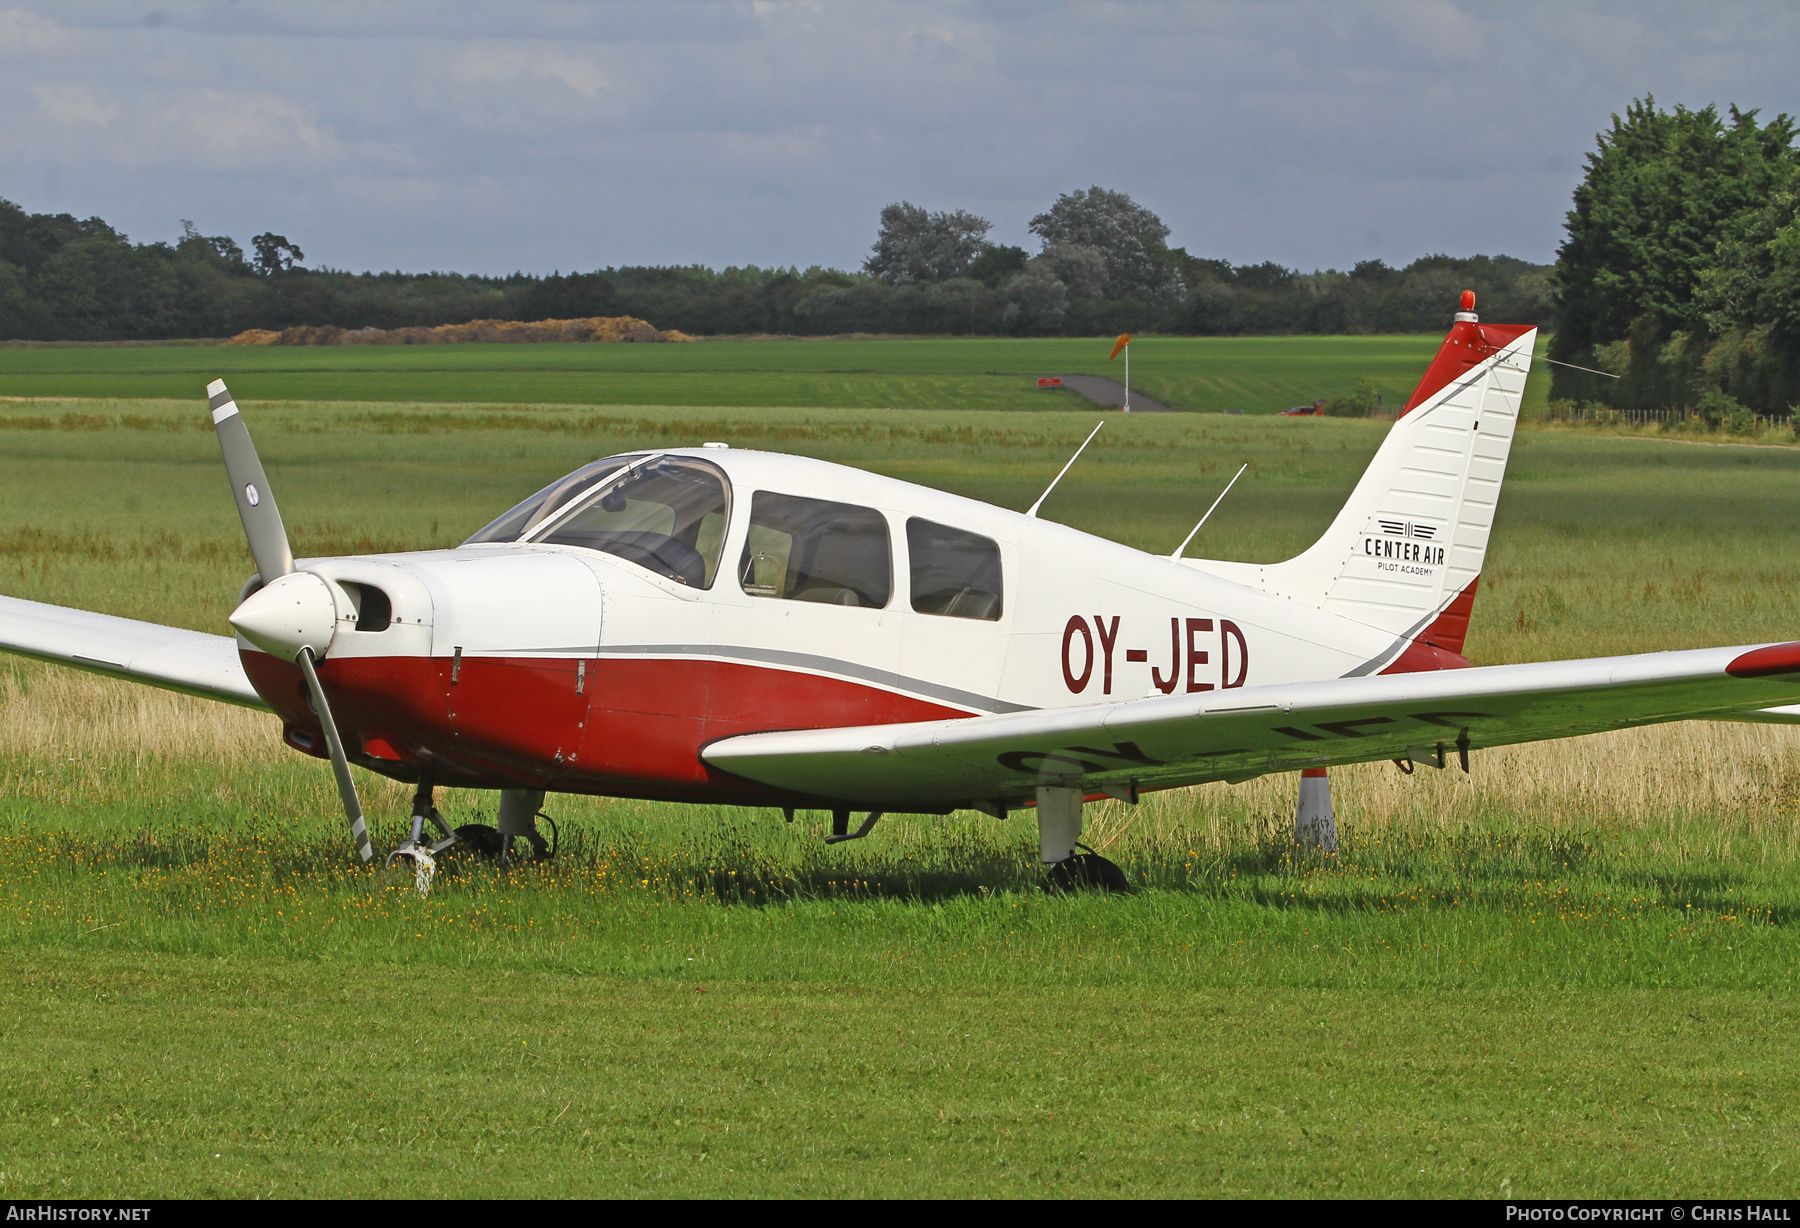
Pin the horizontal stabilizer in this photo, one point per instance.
(173, 658)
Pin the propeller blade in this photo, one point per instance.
(340, 764)
(274, 560)
(250, 486)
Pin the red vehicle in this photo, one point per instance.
(1315, 410)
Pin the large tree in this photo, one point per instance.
(274, 254)
(1663, 192)
(1129, 239)
(917, 246)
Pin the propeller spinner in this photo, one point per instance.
(293, 615)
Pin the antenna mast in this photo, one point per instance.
(1032, 511)
(1209, 511)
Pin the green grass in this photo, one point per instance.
(211, 1010)
(1253, 375)
(1602, 543)
(1570, 974)
(202, 1078)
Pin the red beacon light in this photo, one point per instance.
(1468, 308)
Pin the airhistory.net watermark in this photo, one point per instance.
(63, 1213)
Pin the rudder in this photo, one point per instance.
(1405, 552)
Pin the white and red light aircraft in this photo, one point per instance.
(716, 625)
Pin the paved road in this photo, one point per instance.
(1111, 393)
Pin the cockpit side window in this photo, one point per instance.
(954, 572)
(547, 502)
(666, 514)
(812, 550)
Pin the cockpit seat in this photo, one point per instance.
(973, 603)
(657, 552)
(829, 595)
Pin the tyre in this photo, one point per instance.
(479, 839)
(1087, 872)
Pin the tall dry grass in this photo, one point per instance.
(1695, 789)
(62, 714)
(1689, 790)
(77, 748)
(585, 329)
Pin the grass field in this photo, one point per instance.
(1252, 375)
(1570, 973)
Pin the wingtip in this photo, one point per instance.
(1764, 662)
(215, 388)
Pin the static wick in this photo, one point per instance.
(1032, 511)
(1209, 511)
(1557, 362)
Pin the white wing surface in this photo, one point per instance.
(1788, 714)
(170, 657)
(1164, 742)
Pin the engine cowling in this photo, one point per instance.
(295, 611)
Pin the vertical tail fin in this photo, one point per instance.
(1406, 550)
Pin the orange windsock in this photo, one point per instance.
(1123, 341)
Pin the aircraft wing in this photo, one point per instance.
(1787, 714)
(1165, 742)
(170, 657)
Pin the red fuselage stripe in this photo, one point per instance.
(635, 729)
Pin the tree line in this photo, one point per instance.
(1679, 275)
(1681, 270)
(1104, 266)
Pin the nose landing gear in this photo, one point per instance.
(518, 818)
(423, 855)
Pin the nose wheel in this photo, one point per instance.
(424, 865)
(423, 855)
(518, 816)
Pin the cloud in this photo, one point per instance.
(24, 33)
(499, 63)
(557, 134)
(75, 104)
(230, 130)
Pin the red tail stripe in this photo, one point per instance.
(1449, 629)
(1439, 646)
(1466, 345)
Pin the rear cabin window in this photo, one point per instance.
(811, 550)
(954, 572)
(666, 514)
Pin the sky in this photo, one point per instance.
(544, 135)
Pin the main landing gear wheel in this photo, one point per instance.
(480, 839)
(1087, 871)
(487, 843)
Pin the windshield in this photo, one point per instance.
(518, 522)
(664, 513)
